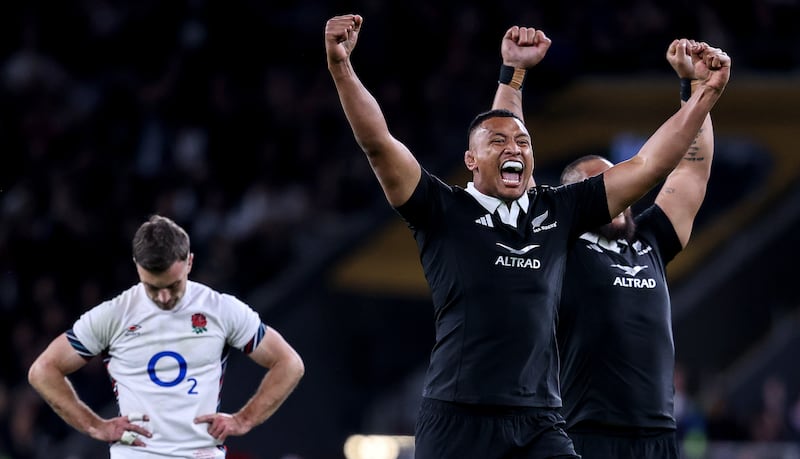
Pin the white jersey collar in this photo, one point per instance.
(492, 204)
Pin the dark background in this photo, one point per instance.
(222, 115)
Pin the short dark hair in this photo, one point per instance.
(481, 117)
(570, 173)
(159, 243)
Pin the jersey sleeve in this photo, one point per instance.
(244, 329)
(588, 200)
(654, 224)
(91, 334)
(422, 204)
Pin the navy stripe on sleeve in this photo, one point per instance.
(77, 345)
(253, 343)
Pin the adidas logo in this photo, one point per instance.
(486, 220)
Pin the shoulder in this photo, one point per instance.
(653, 219)
(429, 180)
(570, 188)
(124, 300)
(654, 227)
(196, 291)
(540, 190)
(552, 194)
(431, 197)
(97, 327)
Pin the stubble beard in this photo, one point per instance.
(624, 231)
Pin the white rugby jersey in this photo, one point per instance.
(168, 365)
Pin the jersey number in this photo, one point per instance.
(151, 370)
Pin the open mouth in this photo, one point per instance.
(511, 172)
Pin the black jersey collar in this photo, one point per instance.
(492, 204)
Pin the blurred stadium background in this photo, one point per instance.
(222, 115)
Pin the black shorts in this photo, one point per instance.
(604, 443)
(461, 431)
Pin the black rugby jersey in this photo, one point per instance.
(615, 328)
(495, 288)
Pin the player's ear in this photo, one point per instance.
(469, 159)
(189, 261)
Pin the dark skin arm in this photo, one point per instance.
(685, 188)
(394, 165)
(628, 181)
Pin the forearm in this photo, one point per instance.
(665, 149)
(59, 393)
(685, 188)
(697, 161)
(274, 389)
(508, 98)
(695, 164)
(361, 109)
(509, 88)
(695, 167)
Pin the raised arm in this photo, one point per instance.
(394, 165)
(685, 188)
(521, 49)
(48, 375)
(631, 179)
(285, 367)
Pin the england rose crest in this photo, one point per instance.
(199, 323)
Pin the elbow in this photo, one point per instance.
(36, 373)
(375, 145)
(298, 368)
(370, 151)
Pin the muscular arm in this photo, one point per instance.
(285, 370)
(510, 99)
(630, 180)
(48, 375)
(394, 165)
(685, 188)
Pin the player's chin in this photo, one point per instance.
(619, 228)
(511, 190)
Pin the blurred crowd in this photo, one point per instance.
(222, 116)
(775, 421)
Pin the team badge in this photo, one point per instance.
(133, 330)
(199, 323)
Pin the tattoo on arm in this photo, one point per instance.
(668, 190)
(691, 154)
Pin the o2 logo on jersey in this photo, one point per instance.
(151, 371)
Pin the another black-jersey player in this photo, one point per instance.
(615, 321)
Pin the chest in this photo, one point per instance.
(169, 340)
(624, 268)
